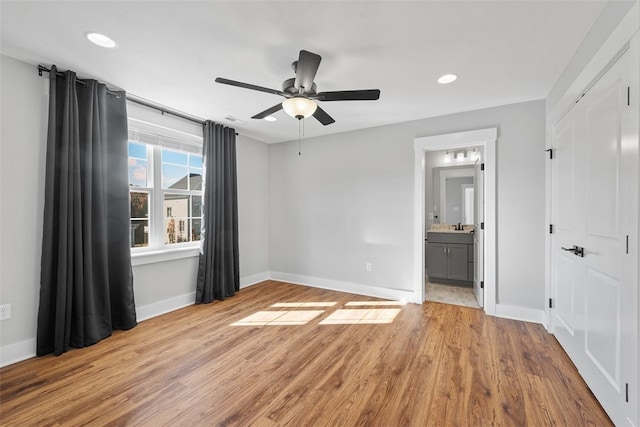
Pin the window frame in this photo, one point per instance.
(156, 138)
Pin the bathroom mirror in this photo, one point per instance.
(454, 194)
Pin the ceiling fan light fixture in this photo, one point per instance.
(447, 78)
(299, 107)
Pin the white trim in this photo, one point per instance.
(17, 352)
(348, 287)
(254, 279)
(482, 137)
(150, 257)
(154, 309)
(520, 313)
(609, 49)
(163, 136)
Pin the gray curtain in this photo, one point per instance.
(218, 272)
(86, 283)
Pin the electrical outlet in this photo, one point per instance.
(5, 311)
(368, 266)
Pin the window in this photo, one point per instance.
(164, 179)
(182, 195)
(139, 190)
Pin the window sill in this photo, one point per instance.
(150, 257)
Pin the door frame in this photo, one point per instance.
(486, 138)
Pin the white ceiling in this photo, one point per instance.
(170, 52)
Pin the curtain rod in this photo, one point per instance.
(141, 101)
(163, 109)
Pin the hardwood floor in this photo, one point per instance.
(434, 364)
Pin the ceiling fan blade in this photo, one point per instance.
(268, 111)
(349, 95)
(248, 86)
(323, 117)
(306, 70)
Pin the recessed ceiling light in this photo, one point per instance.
(270, 119)
(100, 40)
(447, 78)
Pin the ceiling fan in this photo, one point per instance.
(300, 92)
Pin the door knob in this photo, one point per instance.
(577, 250)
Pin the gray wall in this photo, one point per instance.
(348, 200)
(253, 207)
(22, 159)
(158, 286)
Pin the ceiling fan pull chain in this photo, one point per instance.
(299, 135)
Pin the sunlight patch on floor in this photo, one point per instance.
(361, 316)
(361, 303)
(303, 304)
(262, 318)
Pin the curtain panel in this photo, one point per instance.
(218, 268)
(86, 284)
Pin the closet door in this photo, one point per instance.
(595, 213)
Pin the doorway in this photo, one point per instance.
(485, 138)
(451, 202)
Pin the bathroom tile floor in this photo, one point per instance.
(451, 294)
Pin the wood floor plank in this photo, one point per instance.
(434, 364)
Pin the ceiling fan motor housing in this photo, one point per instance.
(289, 87)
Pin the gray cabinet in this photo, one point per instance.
(450, 257)
(437, 260)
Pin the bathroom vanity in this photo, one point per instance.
(450, 257)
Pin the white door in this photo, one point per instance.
(478, 236)
(594, 213)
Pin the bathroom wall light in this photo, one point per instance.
(471, 154)
(460, 156)
(447, 157)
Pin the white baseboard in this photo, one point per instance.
(520, 313)
(353, 288)
(148, 311)
(546, 322)
(254, 279)
(165, 306)
(17, 352)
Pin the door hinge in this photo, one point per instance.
(628, 95)
(626, 392)
(481, 166)
(482, 226)
(627, 243)
(550, 303)
(550, 150)
(482, 284)
(550, 228)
